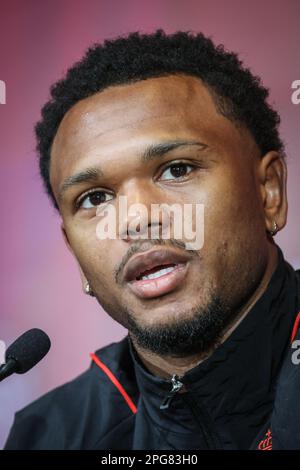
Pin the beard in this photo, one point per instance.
(199, 331)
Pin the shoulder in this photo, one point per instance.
(58, 419)
(286, 413)
(44, 423)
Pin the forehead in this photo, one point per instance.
(122, 118)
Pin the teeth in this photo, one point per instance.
(159, 273)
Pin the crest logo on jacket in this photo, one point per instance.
(266, 444)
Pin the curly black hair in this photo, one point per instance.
(237, 93)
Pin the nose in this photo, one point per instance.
(136, 219)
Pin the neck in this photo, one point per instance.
(166, 366)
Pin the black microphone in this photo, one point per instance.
(25, 352)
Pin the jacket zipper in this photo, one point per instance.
(176, 386)
(212, 442)
(211, 439)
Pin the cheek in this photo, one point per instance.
(92, 254)
(232, 213)
(233, 199)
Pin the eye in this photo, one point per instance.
(176, 171)
(93, 199)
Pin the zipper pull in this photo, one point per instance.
(176, 386)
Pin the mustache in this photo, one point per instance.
(141, 245)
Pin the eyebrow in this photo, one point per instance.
(151, 152)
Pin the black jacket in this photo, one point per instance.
(246, 395)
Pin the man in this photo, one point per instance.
(208, 361)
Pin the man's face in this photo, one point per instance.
(109, 131)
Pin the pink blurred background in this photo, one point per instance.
(40, 284)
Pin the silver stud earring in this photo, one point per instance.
(274, 229)
(88, 290)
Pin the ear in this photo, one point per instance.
(272, 179)
(67, 242)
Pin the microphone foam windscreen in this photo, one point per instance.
(28, 349)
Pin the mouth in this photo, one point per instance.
(156, 272)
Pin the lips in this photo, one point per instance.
(150, 262)
(143, 262)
